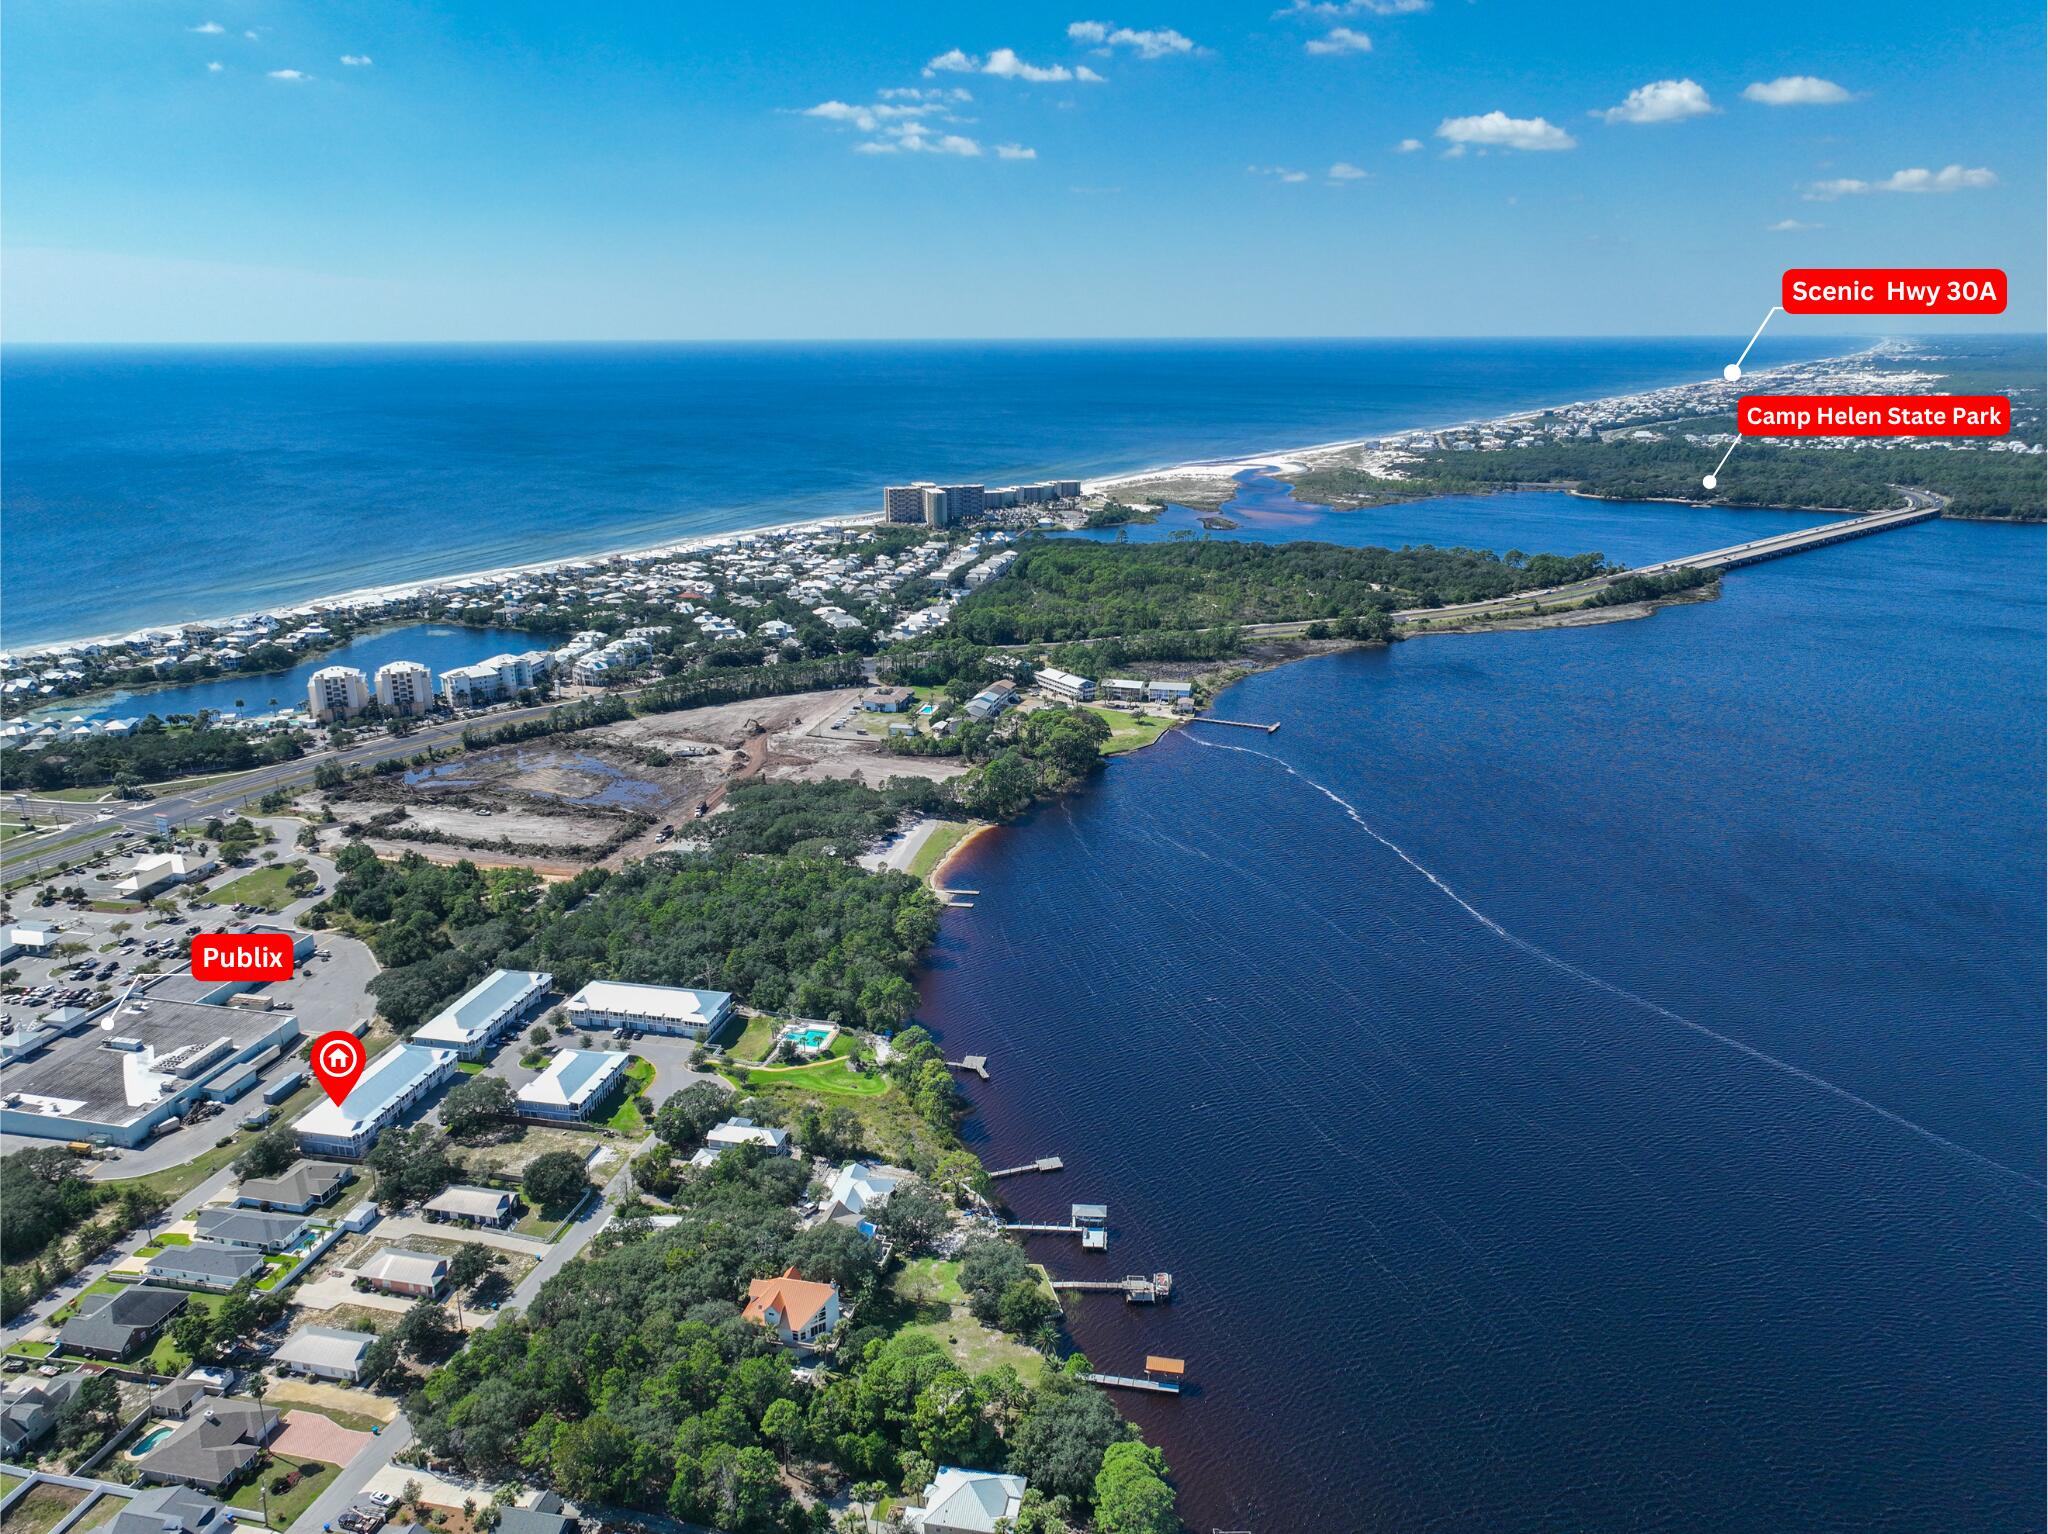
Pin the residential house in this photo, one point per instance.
(172, 1510)
(967, 1502)
(799, 1312)
(737, 1132)
(472, 1206)
(29, 1410)
(116, 1325)
(203, 1265)
(858, 1190)
(219, 1443)
(177, 1399)
(401, 1272)
(250, 1228)
(324, 1353)
(300, 1189)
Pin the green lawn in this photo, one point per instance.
(265, 887)
(285, 1506)
(9, 829)
(756, 1039)
(34, 1349)
(97, 1286)
(158, 1243)
(828, 1076)
(102, 1511)
(926, 1293)
(167, 1357)
(275, 1269)
(470, 1067)
(627, 1116)
(1128, 732)
(547, 1224)
(8, 1483)
(944, 838)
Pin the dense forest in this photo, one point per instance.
(154, 753)
(1978, 483)
(632, 1382)
(843, 816)
(1063, 590)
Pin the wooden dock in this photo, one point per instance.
(1162, 1375)
(1042, 1164)
(1088, 1221)
(1237, 724)
(978, 1064)
(1136, 1288)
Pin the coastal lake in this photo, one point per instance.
(437, 646)
(1580, 1079)
(150, 485)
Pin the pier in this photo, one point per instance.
(1042, 1164)
(1173, 1371)
(1136, 1288)
(978, 1064)
(1088, 1221)
(1237, 724)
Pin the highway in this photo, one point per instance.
(94, 834)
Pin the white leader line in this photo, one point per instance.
(1774, 309)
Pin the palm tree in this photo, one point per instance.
(259, 1387)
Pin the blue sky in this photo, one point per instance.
(246, 170)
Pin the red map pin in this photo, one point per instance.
(338, 1062)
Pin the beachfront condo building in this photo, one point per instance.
(337, 692)
(404, 687)
(905, 503)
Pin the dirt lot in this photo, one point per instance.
(511, 1156)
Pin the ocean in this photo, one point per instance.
(167, 484)
(1584, 1079)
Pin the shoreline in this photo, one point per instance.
(1206, 468)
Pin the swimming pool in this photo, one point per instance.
(150, 1440)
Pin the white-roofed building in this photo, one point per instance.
(390, 1086)
(324, 1352)
(967, 1502)
(669, 1009)
(1065, 684)
(486, 1012)
(737, 1132)
(574, 1085)
(858, 1190)
(472, 1206)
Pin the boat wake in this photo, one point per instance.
(1587, 977)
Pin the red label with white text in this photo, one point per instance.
(1873, 415)
(1894, 290)
(242, 956)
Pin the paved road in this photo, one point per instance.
(227, 794)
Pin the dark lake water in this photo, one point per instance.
(1581, 1080)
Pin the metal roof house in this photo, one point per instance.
(395, 1082)
(670, 1009)
(967, 1502)
(575, 1083)
(325, 1352)
(471, 1206)
(486, 1012)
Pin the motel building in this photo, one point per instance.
(666, 1009)
(495, 1006)
(574, 1085)
(394, 1083)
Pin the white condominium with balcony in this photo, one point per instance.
(404, 687)
(337, 692)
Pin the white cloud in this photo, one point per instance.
(1950, 178)
(289, 74)
(1339, 40)
(1497, 130)
(1408, 146)
(1791, 225)
(913, 93)
(869, 118)
(1006, 65)
(210, 28)
(356, 60)
(1335, 8)
(1344, 171)
(1661, 101)
(1155, 43)
(1796, 91)
(215, 67)
(1278, 173)
(1015, 152)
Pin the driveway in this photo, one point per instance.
(308, 1435)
